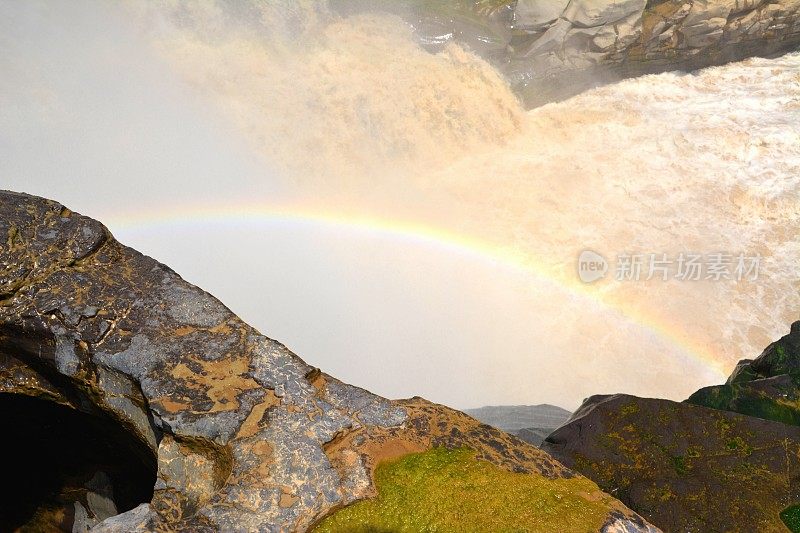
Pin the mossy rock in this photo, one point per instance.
(684, 467)
(767, 387)
(791, 517)
(239, 455)
(451, 490)
(776, 398)
(780, 357)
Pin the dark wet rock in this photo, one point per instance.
(684, 467)
(776, 398)
(99, 503)
(780, 357)
(197, 421)
(767, 387)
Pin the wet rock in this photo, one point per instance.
(82, 521)
(536, 15)
(215, 427)
(100, 496)
(553, 49)
(636, 37)
(594, 13)
(767, 387)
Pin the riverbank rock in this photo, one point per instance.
(173, 412)
(553, 49)
(596, 41)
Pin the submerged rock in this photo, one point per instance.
(201, 422)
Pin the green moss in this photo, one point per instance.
(791, 517)
(629, 409)
(694, 452)
(781, 351)
(717, 397)
(679, 464)
(445, 490)
(741, 399)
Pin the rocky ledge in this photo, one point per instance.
(141, 403)
(552, 49)
(725, 460)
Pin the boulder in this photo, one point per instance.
(685, 467)
(776, 398)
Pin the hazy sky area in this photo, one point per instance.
(396, 217)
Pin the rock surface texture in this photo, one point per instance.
(592, 41)
(240, 433)
(690, 467)
(552, 49)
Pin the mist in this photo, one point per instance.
(92, 115)
(173, 122)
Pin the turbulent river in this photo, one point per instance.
(357, 120)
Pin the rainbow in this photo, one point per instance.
(415, 233)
